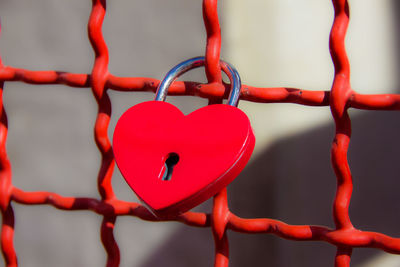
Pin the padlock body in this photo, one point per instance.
(211, 146)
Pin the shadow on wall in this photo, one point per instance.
(293, 181)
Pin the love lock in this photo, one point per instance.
(174, 162)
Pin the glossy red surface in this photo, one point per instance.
(340, 98)
(213, 144)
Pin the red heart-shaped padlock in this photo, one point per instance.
(174, 162)
(209, 147)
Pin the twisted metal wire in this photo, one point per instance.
(340, 98)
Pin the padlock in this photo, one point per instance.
(172, 161)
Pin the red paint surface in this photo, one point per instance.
(340, 98)
(213, 144)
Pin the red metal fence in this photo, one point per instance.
(340, 98)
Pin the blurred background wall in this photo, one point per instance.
(272, 43)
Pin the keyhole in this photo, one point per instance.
(169, 165)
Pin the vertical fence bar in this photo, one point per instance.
(99, 79)
(219, 220)
(219, 215)
(213, 46)
(7, 229)
(340, 94)
(343, 257)
(8, 219)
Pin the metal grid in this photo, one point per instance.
(340, 98)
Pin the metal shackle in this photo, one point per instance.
(196, 62)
